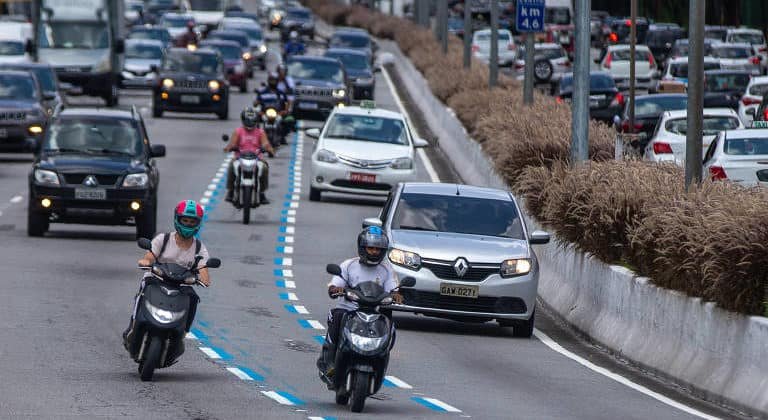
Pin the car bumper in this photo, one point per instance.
(17, 138)
(65, 208)
(498, 298)
(179, 101)
(316, 107)
(95, 84)
(131, 80)
(335, 177)
(640, 83)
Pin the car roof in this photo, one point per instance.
(350, 29)
(228, 31)
(178, 15)
(376, 112)
(662, 96)
(545, 45)
(149, 42)
(348, 32)
(684, 60)
(96, 113)
(731, 44)
(313, 58)
(184, 50)
(25, 65)
(438, 188)
(622, 47)
(18, 73)
(347, 51)
(758, 80)
(721, 71)
(716, 112)
(744, 31)
(147, 28)
(221, 42)
(748, 133)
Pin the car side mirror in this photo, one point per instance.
(49, 96)
(377, 69)
(120, 46)
(30, 47)
(213, 263)
(617, 122)
(419, 142)
(224, 138)
(408, 282)
(157, 151)
(145, 243)
(313, 133)
(372, 221)
(153, 68)
(751, 112)
(538, 238)
(333, 269)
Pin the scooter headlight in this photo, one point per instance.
(366, 344)
(271, 113)
(163, 316)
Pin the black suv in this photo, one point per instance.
(49, 84)
(321, 84)
(22, 112)
(95, 167)
(191, 81)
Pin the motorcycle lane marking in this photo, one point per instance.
(435, 404)
(395, 382)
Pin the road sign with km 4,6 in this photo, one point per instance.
(530, 15)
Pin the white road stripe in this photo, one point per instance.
(301, 309)
(239, 373)
(292, 297)
(290, 229)
(16, 199)
(208, 193)
(295, 197)
(398, 382)
(442, 405)
(291, 212)
(618, 378)
(212, 186)
(216, 180)
(210, 353)
(297, 184)
(277, 397)
(288, 250)
(315, 324)
(297, 190)
(290, 284)
(287, 261)
(422, 155)
(190, 336)
(291, 220)
(204, 200)
(294, 204)
(287, 273)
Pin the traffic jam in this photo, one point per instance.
(243, 209)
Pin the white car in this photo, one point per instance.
(755, 38)
(676, 69)
(13, 51)
(481, 46)
(737, 57)
(668, 141)
(740, 156)
(753, 96)
(616, 63)
(559, 62)
(362, 150)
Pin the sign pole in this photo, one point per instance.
(529, 20)
(580, 99)
(493, 76)
(467, 35)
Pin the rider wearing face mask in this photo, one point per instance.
(249, 138)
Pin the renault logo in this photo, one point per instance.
(460, 267)
(90, 181)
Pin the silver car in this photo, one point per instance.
(468, 249)
(142, 58)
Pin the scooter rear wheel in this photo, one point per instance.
(360, 391)
(152, 359)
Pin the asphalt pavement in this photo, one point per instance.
(67, 297)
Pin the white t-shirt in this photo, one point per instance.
(174, 254)
(354, 273)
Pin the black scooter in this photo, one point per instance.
(362, 352)
(157, 338)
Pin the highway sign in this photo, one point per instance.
(530, 15)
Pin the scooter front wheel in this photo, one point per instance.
(360, 386)
(246, 200)
(152, 359)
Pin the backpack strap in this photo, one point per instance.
(166, 237)
(198, 246)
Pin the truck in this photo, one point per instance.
(83, 41)
(207, 13)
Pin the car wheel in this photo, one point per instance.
(224, 113)
(112, 97)
(146, 224)
(244, 87)
(542, 70)
(314, 194)
(37, 223)
(524, 329)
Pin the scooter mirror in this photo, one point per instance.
(224, 137)
(213, 263)
(333, 269)
(145, 243)
(407, 282)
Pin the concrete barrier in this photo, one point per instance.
(721, 356)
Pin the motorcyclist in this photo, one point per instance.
(294, 46)
(189, 37)
(286, 84)
(270, 96)
(370, 265)
(178, 247)
(249, 138)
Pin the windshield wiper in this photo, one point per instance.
(110, 152)
(417, 228)
(66, 150)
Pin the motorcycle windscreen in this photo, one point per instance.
(376, 326)
(370, 289)
(166, 297)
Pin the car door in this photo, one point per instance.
(154, 173)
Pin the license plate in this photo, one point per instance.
(3, 133)
(90, 194)
(593, 103)
(363, 178)
(190, 99)
(460, 290)
(307, 105)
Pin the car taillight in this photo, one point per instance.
(660, 148)
(625, 126)
(750, 101)
(608, 61)
(765, 114)
(475, 48)
(550, 37)
(519, 66)
(717, 173)
(762, 50)
(618, 100)
(755, 60)
(651, 61)
(613, 37)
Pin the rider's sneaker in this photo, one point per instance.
(263, 199)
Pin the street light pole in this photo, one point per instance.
(493, 65)
(632, 63)
(442, 21)
(693, 137)
(580, 98)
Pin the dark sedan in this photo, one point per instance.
(353, 39)
(724, 88)
(660, 39)
(647, 112)
(22, 116)
(297, 19)
(359, 71)
(52, 94)
(234, 65)
(241, 38)
(605, 100)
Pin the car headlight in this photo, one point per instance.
(246, 56)
(214, 85)
(406, 259)
(515, 267)
(402, 163)
(104, 65)
(163, 316)
(366, 343)
(136, 180)
(327, 156)
(46, 177)
(271, 113)
(339, 93)
(364, 81)
(167, 83)
(263, 49)
(35, 129)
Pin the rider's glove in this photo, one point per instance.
(335, 291)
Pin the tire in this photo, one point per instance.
(157, 110)
(360, 391)
(542, 71)
(152, 359)
(314, 194)
(244, 87)
(524, 329)
(112, 97)
(263, 66)
(224, 113)
(245, 197)
(146, 225)
(37, 223)
(342, 398)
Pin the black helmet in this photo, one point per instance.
(272, 80)
(249, 117)
(372, 237)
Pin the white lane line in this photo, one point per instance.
(442, 405)
(290, 229)
(294, 204)
(287, 273)
(290, 284)
(291, 220)
(210, 353)
(301, 309)
(287, 261)
(289, 239)
(297, 184)
(549, 342)
(295, 197)
(190, 336)
(315, 324)
(208, 193)
(292, 297)
(239, 373)
(288, 250)
(292, 212)
(277, 397)
(398, 382)
(212, 186)
(16, 199)
(204, 200)
(422, 155)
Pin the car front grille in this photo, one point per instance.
(444, 270)
(488, 304)
(312, 91)
(103, 180)
(361, 185)
(190, 84)
(365, 164)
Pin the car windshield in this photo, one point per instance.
(228, 52)
(350, 61)
(596, 82)
(158, 34)
(87, 35)
(732, 52)
(17, 87)
(753, 146)
(367, 128)
(207, 5)
(96, 136)
(175, 21)
(242, 40)
(557, 15)
(754, 39)
(624, 55)
(681, 69)
(148, 52)
(655, 104)
(298, 14)
(504, 36)
(758, 90)
(11, 48)
(726, 82)
(680, 50)
(192, 63)
(254, 34)
(456, 214)
(712, 125)
(350, 41)
(718, 34)
(550, 53)
(316, 70)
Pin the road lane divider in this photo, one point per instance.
(435, 404)
(297, 309)
(311, 323)
(283, 398)
(395, 382)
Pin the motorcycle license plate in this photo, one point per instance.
(362, 178)
(190, 99)
(308, 105)
(459, 290)
(90, 194)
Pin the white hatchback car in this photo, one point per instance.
(481, 46)
(362, 150)
(753, 96)
(753, 37)
(617, 62)
(740, 156)
(668, 141)
(737, 57)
